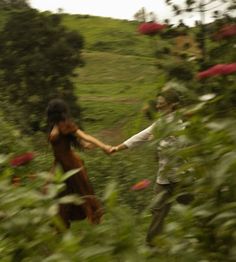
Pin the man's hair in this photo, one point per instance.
(171, 95)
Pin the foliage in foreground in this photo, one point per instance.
(30, 229)
(201, 231)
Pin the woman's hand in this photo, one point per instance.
(113, 149)
(107, 149)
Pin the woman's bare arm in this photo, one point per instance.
(86, 145)
(54, 133)
(88, 138)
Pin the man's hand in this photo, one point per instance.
(113, 149)
(107, 149)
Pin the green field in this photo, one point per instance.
(120, 73)
(113, 88)
(111, 35)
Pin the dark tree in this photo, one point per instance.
(14, 4)
(37, 57)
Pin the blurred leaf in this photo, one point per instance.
(111, 194)
(70, 174)
(71, 199)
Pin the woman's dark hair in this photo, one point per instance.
(57, 111)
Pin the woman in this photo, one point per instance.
(63, 135)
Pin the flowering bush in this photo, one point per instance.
(226, 31)
(22, 159)
(141, 185)
(150, 28)
(217, 70)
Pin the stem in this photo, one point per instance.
(203, 32)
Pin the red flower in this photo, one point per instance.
(22, 159)
(141, 185)
(226, 31)
(150, 28)
(217, 70)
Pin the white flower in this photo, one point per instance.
(207, 97)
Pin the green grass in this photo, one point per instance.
(3, 18)
(120, 108)
(113, 88)
(119, 76)
(111, 35)
(106, 68)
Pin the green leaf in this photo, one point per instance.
(70, 174)
(111, 194)
(71, 199)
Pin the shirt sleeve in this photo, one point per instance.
(141, 137)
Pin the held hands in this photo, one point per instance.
(108, 149)
(114, 149)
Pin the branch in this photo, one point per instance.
(196, 7)
(209, 9)
(206, 4)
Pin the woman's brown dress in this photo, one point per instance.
(78, 183)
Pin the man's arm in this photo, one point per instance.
(136, 140)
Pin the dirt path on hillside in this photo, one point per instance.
(110, 99)
(112, 136)
(115, 134)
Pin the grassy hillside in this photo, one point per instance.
(110, 35)
(113, 88)
(105, 68)
(119, 75)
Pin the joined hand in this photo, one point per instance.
(113, 149)
(108, 149)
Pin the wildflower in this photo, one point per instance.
(218, 70)
(141, 185)
(22, 159)
(226, 31)
(150, 28)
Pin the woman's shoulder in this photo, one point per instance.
(67, 127)
(54, 133)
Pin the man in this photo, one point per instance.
(167, 175)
